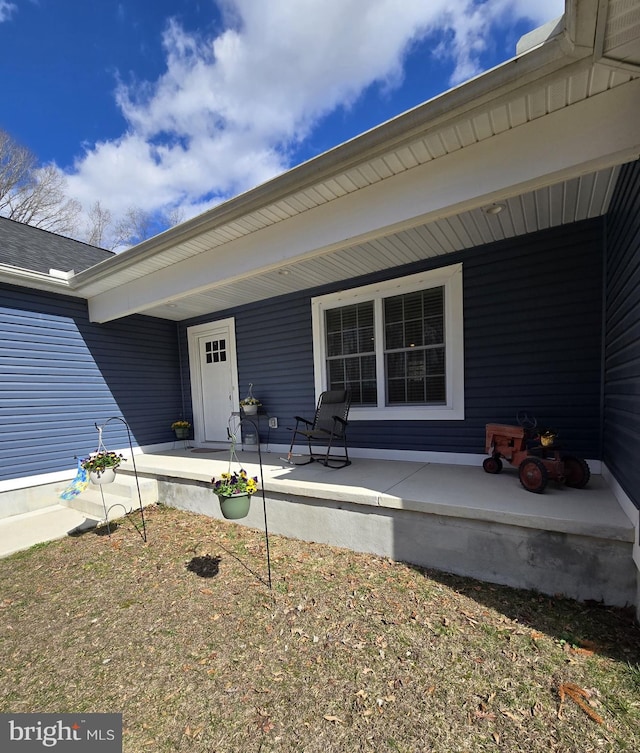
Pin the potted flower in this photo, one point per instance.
(548, 437)
(181, 429)
(250, 404)
(101, 466)
(234, 491)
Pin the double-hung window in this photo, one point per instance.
(397, 345)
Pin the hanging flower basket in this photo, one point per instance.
(250, 404)
(236, 506)
(234, 491)
(108, 476)
(101, 466)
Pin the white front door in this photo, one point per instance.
(214, 378)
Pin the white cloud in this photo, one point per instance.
(471, 30)
(224, 115)
(6, 9)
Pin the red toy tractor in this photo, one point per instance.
(535, 454)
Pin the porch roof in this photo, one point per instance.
(540, 138)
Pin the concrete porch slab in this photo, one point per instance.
(470, 493)
(449, 517)
(450, 490)
(455, 518)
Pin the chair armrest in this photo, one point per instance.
(304, 420)
(342, 421)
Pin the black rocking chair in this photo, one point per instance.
(329, 427)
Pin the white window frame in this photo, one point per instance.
(450, 278)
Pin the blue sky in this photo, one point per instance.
(183, 103)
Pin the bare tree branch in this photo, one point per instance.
(99, 220)
(34, 195)
(16, 165)
(135, 227)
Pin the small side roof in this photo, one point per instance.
(39, 250)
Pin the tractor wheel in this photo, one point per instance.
(533, 475)
(492, 465)
(576, 471)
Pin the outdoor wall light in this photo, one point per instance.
(494, 209)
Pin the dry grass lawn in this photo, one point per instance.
(348, 652)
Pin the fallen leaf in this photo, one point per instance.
(485, 715)
(577, 694)
(469, 617)
(334, 719)
(579, 650)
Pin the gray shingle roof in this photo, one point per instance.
(39, 250)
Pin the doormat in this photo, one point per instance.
(205, 449)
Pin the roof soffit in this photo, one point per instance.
(617, 37)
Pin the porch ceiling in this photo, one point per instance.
(576, 199)
(496, 114)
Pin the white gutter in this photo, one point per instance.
(55, 281)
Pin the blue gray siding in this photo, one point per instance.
(60, 374)
(533, 334)
(622, 355)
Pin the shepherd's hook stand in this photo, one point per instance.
(232, 437)
(107, 510)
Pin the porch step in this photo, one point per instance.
(24, 530)
(120, 497)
